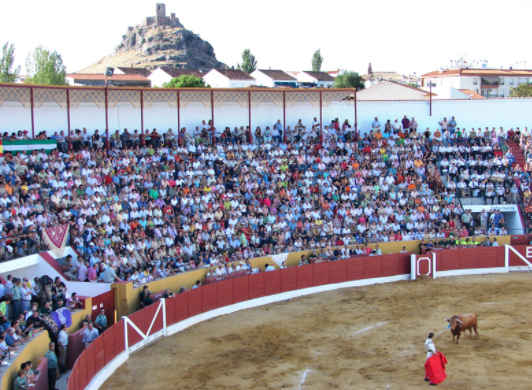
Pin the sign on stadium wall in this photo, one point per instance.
(27, 146)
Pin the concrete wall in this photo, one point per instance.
(35, 266)
(469, 113)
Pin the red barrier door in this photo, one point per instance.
(104, 301)
(423, 265)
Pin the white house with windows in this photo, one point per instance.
(490, 83)
(274, 78)
(315, 79)
(163, 75)
(228, 78)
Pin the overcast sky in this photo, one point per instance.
(403, 36)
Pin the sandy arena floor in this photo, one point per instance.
(357, 338)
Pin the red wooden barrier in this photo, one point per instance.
(209, 297)
(149, 314)
(108, 343)
(404, 263)
(355, 268)
(170, 311)
(73, 378)
(120, 343)
(390, 265)
(194, 302)
(522, 239)
(181, 307)
(241, 289)
(304, 277)
(499, 252)
(225, 291)
(487, 257)
(256, 285)
(133, 337)
(338, 271)
(468, 258)
(99, 354)
(272, 282)
(82, 370)
(449, 260)
(320, 273)
(372, 267)
(288, 279)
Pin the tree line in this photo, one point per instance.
(43, 66)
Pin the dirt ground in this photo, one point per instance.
(357, 338)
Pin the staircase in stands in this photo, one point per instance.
(518, 153)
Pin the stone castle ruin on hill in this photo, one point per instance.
(160, 18)
(159, 41)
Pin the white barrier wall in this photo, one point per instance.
(469, 113)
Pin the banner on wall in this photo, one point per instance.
(278, 259)
(62, 316)
(27, 146)
(56, 237)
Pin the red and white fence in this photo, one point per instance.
(172, 315)
(470, 261)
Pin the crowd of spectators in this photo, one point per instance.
(155, 205)
(22, 315)
(525, 144)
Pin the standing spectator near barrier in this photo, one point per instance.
(62, 344)
(89, 334)
(101, 321)
(52, 366)
(16, 302)
(25, 294)
(68, 269)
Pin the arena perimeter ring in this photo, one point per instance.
(353, 338)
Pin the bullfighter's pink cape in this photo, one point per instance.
(435, 368)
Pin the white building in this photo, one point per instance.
(274, 78)
(315, 79)
(374, 78)
(125, 70)
(391, 90)
(228, 78)
(163, 75)
(489, 83)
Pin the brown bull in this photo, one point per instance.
(461, 323)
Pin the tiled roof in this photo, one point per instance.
(235, 74)
(480, 72)
(141, 71)
(402, 85)
(392, 76)
(176, 72)
(472, 94)
(277, 74)
(445, 73)
(320, 76)
(116, 77)
(414, 88)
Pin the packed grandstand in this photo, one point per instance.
(154, 205)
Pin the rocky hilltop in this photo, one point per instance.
(150, 46)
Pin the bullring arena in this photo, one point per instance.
(353, 338)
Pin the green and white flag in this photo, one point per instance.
(27, 146)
